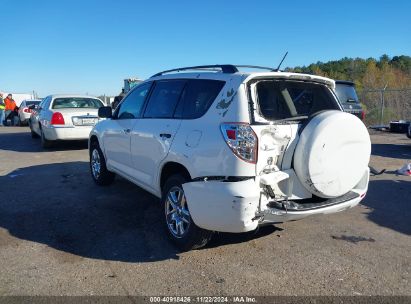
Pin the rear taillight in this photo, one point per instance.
(242, 140)
(27, 110)
(57, 119)
(362, 115)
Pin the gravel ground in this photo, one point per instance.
(60, 234)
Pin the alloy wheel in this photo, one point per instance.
(95, 164)
(176, 210)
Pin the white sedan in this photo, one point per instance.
(64, 117)
(25, 110)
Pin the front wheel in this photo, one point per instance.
(99, 172)
(181, 229)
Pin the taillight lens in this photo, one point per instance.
(362, 115)
(57, 119)
(27, 110)
(242, 140)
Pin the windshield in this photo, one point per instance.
(76, 102)
(281, 99)
(346, 93)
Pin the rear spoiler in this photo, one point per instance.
(294, 76)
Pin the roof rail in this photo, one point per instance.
(225, 68)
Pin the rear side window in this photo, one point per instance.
(164, 99)
(44, 101)
(197, 97)
(279, 99)
(76, 102)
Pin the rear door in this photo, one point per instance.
(153, 135)
(117, 134)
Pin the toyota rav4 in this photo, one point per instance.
(229, 151)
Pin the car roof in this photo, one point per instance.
(53, 96)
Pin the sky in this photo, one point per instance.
(90, 46)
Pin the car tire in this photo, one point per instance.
(180, 227)
(33, 134)
(45, 143)
(98, 168)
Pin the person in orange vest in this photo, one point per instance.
(10, 105)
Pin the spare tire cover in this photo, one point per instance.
(332, 154)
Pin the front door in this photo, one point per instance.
(117, 136)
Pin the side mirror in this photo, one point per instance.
(105, 112)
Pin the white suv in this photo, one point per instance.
(228, 151)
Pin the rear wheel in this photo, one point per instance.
(33, 134)
(181, 229)
(99, 172)
(45, 143)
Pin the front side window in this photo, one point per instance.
(76, 102)
(164, 99)
(132, 105)
(283, 99)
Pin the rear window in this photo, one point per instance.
(32, 102)
(346, 93)
(280, 99)
(76, 102)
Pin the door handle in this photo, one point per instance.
(165, 135)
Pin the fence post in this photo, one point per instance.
(382, 104)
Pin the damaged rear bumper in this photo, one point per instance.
(241, 206)
(223, 206)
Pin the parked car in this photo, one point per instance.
(229, 151)
(64, 117)
(409, 131)
(25, 110)
(347, 95)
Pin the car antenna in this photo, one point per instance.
(278, 68)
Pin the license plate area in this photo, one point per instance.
(84, 121)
